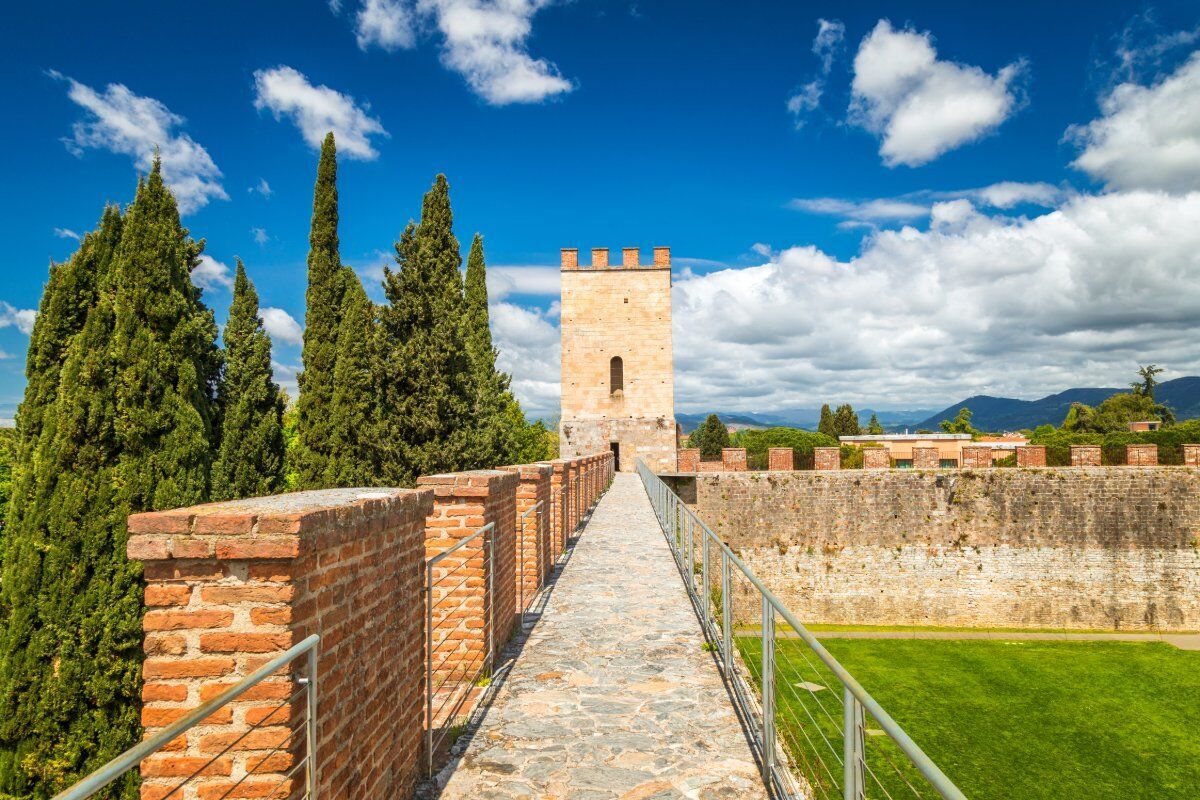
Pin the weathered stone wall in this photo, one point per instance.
(1111, 547)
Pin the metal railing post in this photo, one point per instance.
(704, 575)
(429, 669)
(853, 748)
(768, 688)
(490, 543)
(726, 615)
(311, 775)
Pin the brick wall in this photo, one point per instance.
(876, 458)
(1085, 455)
(1141, 455)
(231, 585)
(1191, 455)
(687, 459)
(1056, 547)
(926, 458)
(733, 459)
(711, 466)
(533, 529)
(827, 458)
(463, 614)
(558, 509)
(781, 458)
(976, 456)
(1033, 455)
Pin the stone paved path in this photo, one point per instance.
(612, 695)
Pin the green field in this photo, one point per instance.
(1017, 720)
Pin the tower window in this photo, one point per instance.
(616, 375)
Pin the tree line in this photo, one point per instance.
(132, 405)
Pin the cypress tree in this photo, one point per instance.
(353, 406)
(826, 425)
(130, 431)
(250, 460)
(845, 421)
(497, 429)
(326, 285)
(711, 437)
(422, 367)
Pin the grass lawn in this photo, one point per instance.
(1019, 720)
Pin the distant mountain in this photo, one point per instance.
(1181, 395)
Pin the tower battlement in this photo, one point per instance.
(630, 259)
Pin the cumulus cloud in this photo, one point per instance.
(20, 318)
(262, 187)
(917, 205)
(316, 110)
(530, 351)
(1147, 137)
(485, 41)
(922, 106)
(212, 274)
(285, 376)
(282, 326)
(66, 233)
(825, 46)
(972, 304)
(384, 23)
(122, 122)
(508, 280)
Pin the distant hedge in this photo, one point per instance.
(757, 442)
(1169, 440)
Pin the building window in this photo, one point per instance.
(948, 463)
(616, 375)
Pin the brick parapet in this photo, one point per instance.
(926, 458)
(231, 585)
(976, 456)
(533, 529)
(781, 458)
(1141, 455)
(1191, 455)
(1031, 455)
(733, 459)
(687, 459)
(827, 458)
(1085, 455)
(465, 502)
(876, 458)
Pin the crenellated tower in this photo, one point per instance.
(618, 390)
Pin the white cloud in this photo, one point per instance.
(212, 274)
(921, 106)
(1148, 137)
(316, 110)
(262, 187)
(916, 205)
(972, 304)
(285, 376)
(20, 318)
(530, 349)
(384, 23)
(123, 122)
(260, 236)
(66, 233)
(482, 40)
(508, 280)
(282, 326)
(825, 46)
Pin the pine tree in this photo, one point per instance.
(497, 430)
(250, 459)
(845, 421)
(353, 405)
(873, 427)
(826, 426)
(130, 431)
(421, 365)
(326, 286)
(712, 436)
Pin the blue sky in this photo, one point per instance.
(890, 204)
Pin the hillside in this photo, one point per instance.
(1182, 395)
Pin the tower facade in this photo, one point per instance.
(618, 383)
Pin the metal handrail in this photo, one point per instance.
(139, 752)
(521, 553)
(659, 493)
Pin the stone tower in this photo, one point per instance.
(618, 386)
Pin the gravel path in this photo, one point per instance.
(612, 695)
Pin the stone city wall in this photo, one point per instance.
(1104, 548)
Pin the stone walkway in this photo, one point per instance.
(612, 695)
